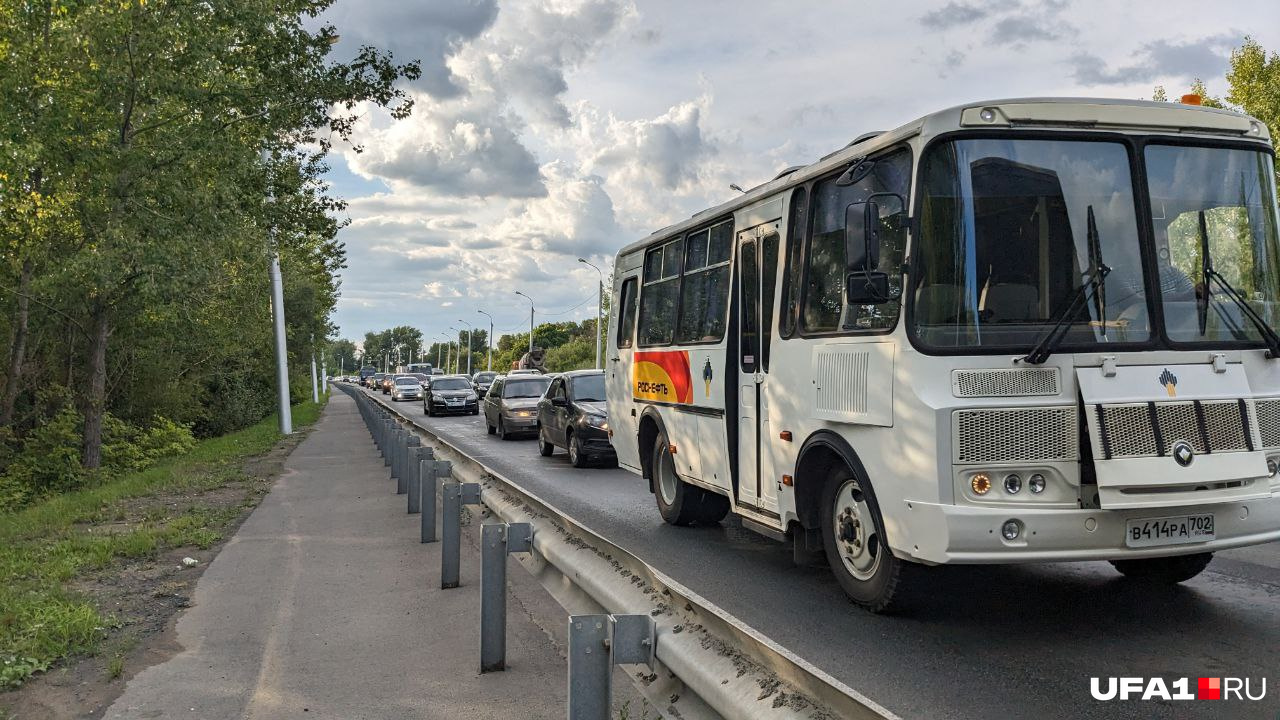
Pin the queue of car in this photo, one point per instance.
(562, 410)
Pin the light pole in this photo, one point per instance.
(470, 332)
(599, 307)
(526, 297)
(438, 355)
(277, 314)
(488, 342)
(315, 385)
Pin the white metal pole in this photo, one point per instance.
(324, 375)
(277, 314)
(470, 342)
(599, 306)
(488, 342)
(526, 297)
(315, 384)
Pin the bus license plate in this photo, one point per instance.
(1152, 532)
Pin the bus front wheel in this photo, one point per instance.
(853, 535)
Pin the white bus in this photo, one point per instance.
(1013, 331)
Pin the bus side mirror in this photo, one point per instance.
(862, 236)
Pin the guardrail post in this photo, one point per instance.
(455, 496)
(416, 454)
(386, 441)
(431, 469)
(397, 458)
(496, 540)
(409, 464)
(596, 644)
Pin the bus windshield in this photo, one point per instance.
(1007, 241)
(1223, 198)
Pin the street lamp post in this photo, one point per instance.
(526, 297)
(315, 385)
(488, 342)
(277, 314)
(599, 306)
(470, 331)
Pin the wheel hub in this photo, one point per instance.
(856, 536)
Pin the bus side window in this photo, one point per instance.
(661, 291)
(791, 274)
(824, 306)
(627, 313)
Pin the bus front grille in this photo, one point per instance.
(1044, 434)
(1004, 382)
(1268, 415)
(1129, 430)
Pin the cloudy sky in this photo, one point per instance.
(548, 130)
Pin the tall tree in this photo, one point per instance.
(157, 111)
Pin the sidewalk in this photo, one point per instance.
(325, 605)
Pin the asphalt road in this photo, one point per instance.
(978, 642)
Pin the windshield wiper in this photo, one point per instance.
(1092, 285)
(1209, 274)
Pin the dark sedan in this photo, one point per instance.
(450, 394)
(572, 415)
(483, 381)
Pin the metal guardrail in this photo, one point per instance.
(706, 664)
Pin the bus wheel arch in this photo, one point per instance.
(651, 428)
(819, 454)
(829, 478)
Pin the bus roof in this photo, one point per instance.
(1099, 114)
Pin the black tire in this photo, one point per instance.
(476, 411)
(502, 431)
(678, 501)
(1170, 570)
(864, 566)
(577, 456)
(545, 448)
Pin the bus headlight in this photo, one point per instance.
(1012, 483)
(981, 484)
(1036, 483)
(1273, 466)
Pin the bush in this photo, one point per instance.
(49, 460)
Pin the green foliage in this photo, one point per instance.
(390, 343)
(49, 460)
(568, 346)
(135, 223)
(53, 541)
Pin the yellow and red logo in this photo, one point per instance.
(663, 376)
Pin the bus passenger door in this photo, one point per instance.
(757, 276)
(623, 423)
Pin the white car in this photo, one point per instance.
(406, 387)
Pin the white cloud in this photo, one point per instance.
(547, 130)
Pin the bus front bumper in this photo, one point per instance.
(965, 534)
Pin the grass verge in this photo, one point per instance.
(45, 548)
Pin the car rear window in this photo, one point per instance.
(525, 387)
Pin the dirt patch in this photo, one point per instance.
(143, 598)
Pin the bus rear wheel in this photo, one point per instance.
(853, 535)
(678, 501)
(1171, 570)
